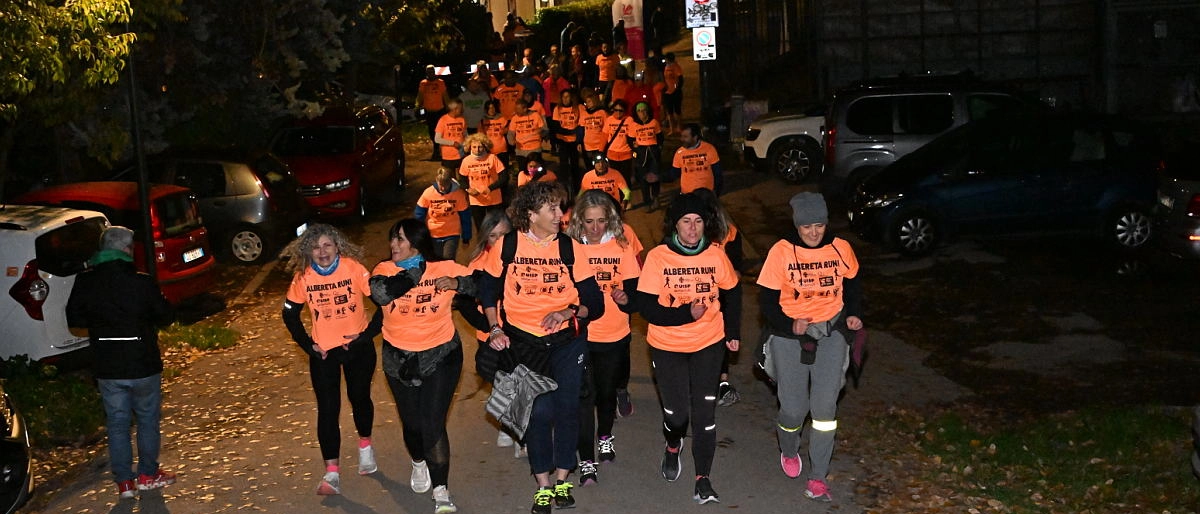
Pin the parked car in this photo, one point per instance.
(344, 161)
(787, 142)
(16, 463)
(1042, 173)
(184, 261)
(250, 203)
(42, 249)
(871, 124)
(1179, 215)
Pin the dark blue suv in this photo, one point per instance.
(1039, 172)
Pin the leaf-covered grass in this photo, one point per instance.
(199, 336)
(1100, 459)
(59, 409)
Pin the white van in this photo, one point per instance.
(41, 250)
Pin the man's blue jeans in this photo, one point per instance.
(125, 399)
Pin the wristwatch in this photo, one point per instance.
(496, 329)
(574, 309)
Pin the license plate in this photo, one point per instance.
(193, 254)
(300, 230)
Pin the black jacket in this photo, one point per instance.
(122, 310)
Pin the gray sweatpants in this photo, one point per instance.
(809, 388)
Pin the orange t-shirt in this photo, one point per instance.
(593, 129)
(679, 280)
(524, 177)
(620, 88)
(672, 72)
(508, 96)
(695, 167)
(420, 319)
(644, 134)
(496, 130)
(442, 216)
(612, 183)
(433, 94)
(335, 301)
(537, 282)
(619, 151)
(611, 264)
(454, 129)
(481, 173)
(659, 87)
(527, 130)
(568, 119)
(809, 280)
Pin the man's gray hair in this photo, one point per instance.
(116, 237)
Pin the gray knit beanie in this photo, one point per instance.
(809, 208)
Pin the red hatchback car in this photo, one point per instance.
(184, 260)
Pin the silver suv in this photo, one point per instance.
(871, 124)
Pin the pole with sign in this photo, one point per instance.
(704, 44)
(701, 17)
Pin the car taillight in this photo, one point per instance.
(1193, 208)
(830, 140)
(31, 291)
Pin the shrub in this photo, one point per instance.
(59, 408)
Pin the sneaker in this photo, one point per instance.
(624, 403)
(330, 484)
(817, 490)
(420, 481)
(704, 492)
(608, 453)
(366, 461)
(727, 395)
(587, 473)
(542, 500)
(126, 489)
(503, 440)
(520, 451)
(562, 495)
(159, 479)
(670, 464)
(791, 465)
(441, 501)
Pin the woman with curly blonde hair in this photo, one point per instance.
(484, 176)
(328, 275)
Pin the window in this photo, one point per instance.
(980, 106)
(924, 114)
(207, 179)
(65, 251)
(176, 214)
(870, 116)
(1089, 145)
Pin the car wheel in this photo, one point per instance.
(1129, 228)
(795, 159)
(914, 234)
(248, 246)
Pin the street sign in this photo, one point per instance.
(704, 44)
(700, 13)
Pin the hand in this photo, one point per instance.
(733, 345)
(472, 191)
(318, 351)
(619, 296)
(445, 283)
(698, 310)
(551, 322)
(854, 323)
(499, 341)
(800, 326)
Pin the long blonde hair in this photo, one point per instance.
(596, 198)
(299, 252)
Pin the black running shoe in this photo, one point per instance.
(562, 495)
(543, 501)
(624, 403)
(608, 451)
(670, 464)
(704, 492)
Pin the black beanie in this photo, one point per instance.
(688, 204)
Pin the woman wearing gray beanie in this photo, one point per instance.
(690, 296)
(811, 297)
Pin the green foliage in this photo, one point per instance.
(198, 336)
(1075, 460)
(593, 15)
(59, 409)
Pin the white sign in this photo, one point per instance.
(700, 13)
(704, 44)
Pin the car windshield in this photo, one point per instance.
(65, 251)
(274, 174)
(314, 141)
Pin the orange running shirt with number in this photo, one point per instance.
(537, 282)
(593, 130)
(527, 130)
(619, 149)
(433, 94)
(481, 173)
(645, 134)
(508, 96)
(678, 280)
(568, 119)
(809, 280)
(611, 264)
(442, 216)
(335, 301)
(695, 167)
(612, 183)
(454, 129)
(420, 319)
(496, 130)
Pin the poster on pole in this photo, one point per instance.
(704, 44)
(700, 13)
(631, 12)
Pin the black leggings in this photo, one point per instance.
(423, 412)
(598, 401)
(359, 363)
(687, 387)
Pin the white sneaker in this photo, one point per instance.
(441, 501)
(519, 451)
(366, 461)
(420, 480)
(331, 484)
(503, 440)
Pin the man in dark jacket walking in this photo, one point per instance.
(122, 310)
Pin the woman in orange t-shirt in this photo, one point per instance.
(422, 354)
(613, 255)
(646, 135)
(616, 130)
(690, 296)
(327, 274)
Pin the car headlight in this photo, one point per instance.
(752, 134)
(337, 186)
(882, 201)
